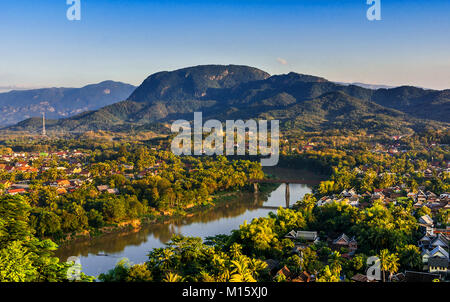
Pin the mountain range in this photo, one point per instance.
(18, 105)
(365, 85)
(240, 92)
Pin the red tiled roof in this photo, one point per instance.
(16, 191)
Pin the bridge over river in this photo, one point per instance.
(101, 253)
(255, 183)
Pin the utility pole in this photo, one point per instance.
(44, 133)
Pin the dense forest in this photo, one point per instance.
(388, 230)
(78, 186)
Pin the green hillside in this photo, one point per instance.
(240, 92)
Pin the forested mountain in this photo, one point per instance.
(16, 106)
(241, 92)
(365, 85)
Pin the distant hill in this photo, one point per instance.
(365, 85)
(18, 105)
(242, 92)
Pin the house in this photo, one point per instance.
(61, 191)
(425, 256)
(61, 154)
(440, 240)
(21, 164)
(428, 173)
(63, 183)
(85, 173)
(112, 191)
(302, 239)
(305, 235)
(344, 241)
(400, 277)
(421, 196)
(284, 272)
(398, 189)
(431, 197)
(444, 197)
(425, 241)
(426, 220)
(418, 204)
(377, 196)
(354, 201)
(16, 191)
(303, 277)
(324, 200)
(103, 188)
(437, 265)
(348, 193)
(77, 153)
(436, 252)
(272, 265)
(76, 182)
(21, 185)
(411, 195)
(9, 169)
(142, 174)
(359, 278)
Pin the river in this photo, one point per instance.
(100, 254)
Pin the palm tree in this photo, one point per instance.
(241, 272)
(172, 277)
(384, 254)
(235, 250)
(164, 257)
(256, 266)
(393, 264)
(223, 273)
(206, 277)
(410, 256)
(335, 261)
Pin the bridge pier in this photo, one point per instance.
(288, 195)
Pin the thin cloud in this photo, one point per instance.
(282, 61)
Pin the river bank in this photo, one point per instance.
(135, 225)
(100, 253)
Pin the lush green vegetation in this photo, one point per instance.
(386, 229)
(240, 255)
(170, 185)
(24, 257)
(152, 183)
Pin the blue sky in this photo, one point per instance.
(129, 40)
